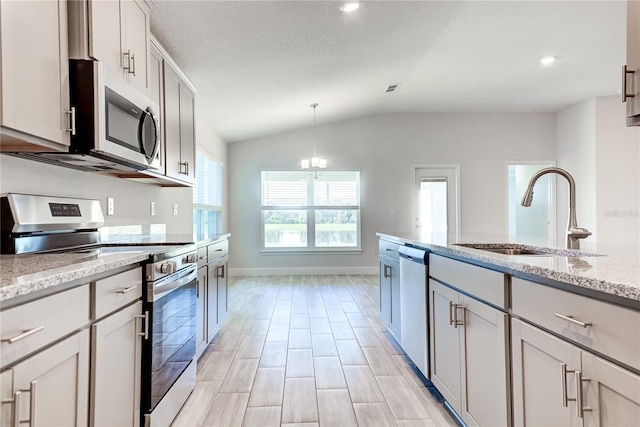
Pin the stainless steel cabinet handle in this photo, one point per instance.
(220, 268)
(456, 321)
(145, 318)
(625, 95)
(15, 412)
(563, 384)
(133, 65)
(186, 168)
(451, 313)
(569, 318)
(72, 119)
(580, 408)
(386, 275)
(127, 67)
(129, 289)
(32, 406)
(23, 335)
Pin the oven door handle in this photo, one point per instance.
(163, 289)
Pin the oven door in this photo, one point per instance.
(171, 303)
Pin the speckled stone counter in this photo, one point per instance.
(32, 274)
(613, 275)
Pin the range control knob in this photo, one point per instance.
(167, 268)
(192, 258)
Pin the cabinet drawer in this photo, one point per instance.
(47, 319)
(613, 330)
(485, 284)
(217, 250)
(202, 256)
(388, 249)
(116, 291)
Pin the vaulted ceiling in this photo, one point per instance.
(258, 65)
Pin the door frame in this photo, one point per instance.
(455, 167)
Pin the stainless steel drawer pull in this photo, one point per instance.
(580, 408)
(32, 406)
(23, 335)
(129, 289)
(388, 249)
(450, 313)
(563, 384)
(569, 318)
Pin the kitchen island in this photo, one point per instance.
(546, 338)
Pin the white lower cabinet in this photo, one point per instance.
(50, 388)
(557, 383)
(115, 368)
(469, 356)
(201, 311)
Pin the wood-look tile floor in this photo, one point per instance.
(307, 351)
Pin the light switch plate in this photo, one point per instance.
(110, 206)
(175, 209)
(152, 208)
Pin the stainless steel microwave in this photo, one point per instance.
(114, 126)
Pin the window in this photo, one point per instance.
(303, 213)
(207, 197)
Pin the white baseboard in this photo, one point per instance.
(302, 271)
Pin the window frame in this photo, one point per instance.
(310, 209)
(205, 208)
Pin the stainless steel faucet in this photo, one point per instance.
(574, 233)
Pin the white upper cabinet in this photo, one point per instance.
(115, 32)
(34, 89)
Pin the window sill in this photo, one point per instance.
(292, 251)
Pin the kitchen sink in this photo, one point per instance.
(525, 250)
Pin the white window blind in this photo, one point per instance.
(284, 188)
(208, 189)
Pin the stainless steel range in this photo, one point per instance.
(44, 224)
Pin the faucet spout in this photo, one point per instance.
(574, 233)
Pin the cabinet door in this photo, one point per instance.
(172, 122)
(212, 302)
(54, 384)
(6, 398)
(223, 294)
(542, 395)
(35, 69)
(187, 134)
(135, 41)
(633, 57)
(396, 325)
(115, 369)
(201, 311)
(612, 394)
(484, 366)
(445, 343)
(385, 291)
(104, 33)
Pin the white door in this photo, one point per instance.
(436, 199)
(538, 220)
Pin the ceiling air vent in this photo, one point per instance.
(391, 88)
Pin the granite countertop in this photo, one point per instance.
(27, 274)
(614, 274)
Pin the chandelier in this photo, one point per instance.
(316, 165)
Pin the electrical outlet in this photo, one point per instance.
(110, 206)
(153, 208)
(175, 209)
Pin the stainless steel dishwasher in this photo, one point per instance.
(413, 306)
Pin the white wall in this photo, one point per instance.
(131, 199)
(617, 174)
(595, 146)
(576, 153)
(385, 148)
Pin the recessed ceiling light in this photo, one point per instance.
(349, 6)
(547, 60)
